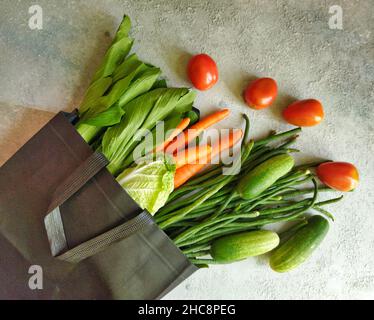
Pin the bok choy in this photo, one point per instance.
(142, 114)
(118, 81)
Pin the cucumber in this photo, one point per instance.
(243, 245)
(300, 245)
(264, 175)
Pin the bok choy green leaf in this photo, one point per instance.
(142, 114)
(163, 129)
(159, 134)
(118, 50)
(118, 81)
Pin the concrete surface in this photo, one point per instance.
(291, 41)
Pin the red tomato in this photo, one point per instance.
(261, 93)
(202, 71)
(304, 113)
(342, 176)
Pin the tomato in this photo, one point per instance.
(342, 176)
(202, 71)
(261, 93)
(304, 113)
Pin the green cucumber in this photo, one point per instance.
(264, 175)
(243, 245)
(300, 245)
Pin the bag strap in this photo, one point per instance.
(103, 241)
(80, 176)
(54, 225)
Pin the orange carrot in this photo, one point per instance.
(226, 142)
(183, 174)
(180, 127)
(193, 155)
(196, 129)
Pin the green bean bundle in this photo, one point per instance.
(211, 205)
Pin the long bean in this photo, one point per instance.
(296, 213)
(275, 137)
(216, 171)
(324, 212)
(197, 254)
(289, 142)
(311, 164)
(196, 248)
(210, 222)
(239, 226)
(301, 192)
(231, 196)
(270, 191)
(204, 209)
(221, 224)
(246, 130)
(179, 214)
(177, 205)
(211, 171)
(208, 238)
(204, 261)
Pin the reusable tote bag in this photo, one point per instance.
(63, 214)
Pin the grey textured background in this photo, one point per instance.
(50, 69)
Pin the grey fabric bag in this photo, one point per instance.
(61, 209)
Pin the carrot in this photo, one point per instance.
(226, 142)
(180, 127)
(197, 154)
(195, 130)
(183, 174)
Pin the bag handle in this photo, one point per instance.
(80, 176)
(103, 241)
(54, 225)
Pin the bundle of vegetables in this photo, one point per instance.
(221, 215)
(122, 107)
(121, 113)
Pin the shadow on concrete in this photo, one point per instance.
(18, 124)
(178, 62)
(281, 102)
